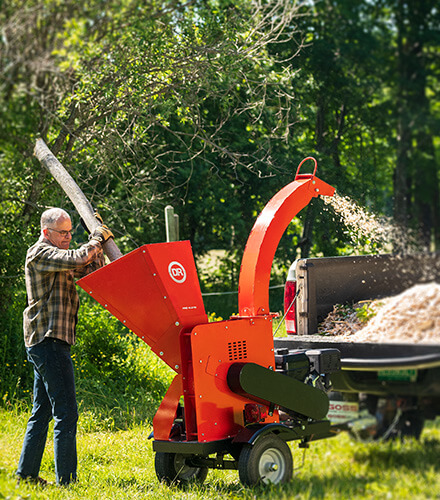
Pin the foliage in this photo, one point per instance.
(185, 97)
(365, 312)
(118, 377)
(15, 374)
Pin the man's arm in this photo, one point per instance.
(93, 266)
(49, 259)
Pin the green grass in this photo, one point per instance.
(119, 464)
(120, 383)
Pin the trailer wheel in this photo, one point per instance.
(411, 424)
(269, 460)
(172, 469)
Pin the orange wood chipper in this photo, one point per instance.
(235, 402)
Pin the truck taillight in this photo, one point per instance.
(290, 307)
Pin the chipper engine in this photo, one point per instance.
(234, 402)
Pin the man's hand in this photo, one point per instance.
(101, 234)
(97, 217)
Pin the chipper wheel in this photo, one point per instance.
(269, 460)
(171, 468)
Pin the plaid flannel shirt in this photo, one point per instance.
(52, 297)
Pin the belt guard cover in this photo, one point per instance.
(261, 384)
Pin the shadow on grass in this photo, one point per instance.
(363, 465)
(414, 455)
(341, 485)
(411, 455)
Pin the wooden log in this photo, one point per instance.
(71, 188)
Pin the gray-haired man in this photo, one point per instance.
(49, 331)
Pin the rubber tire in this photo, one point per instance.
(171, 469)
(411, 424)
(254, 460)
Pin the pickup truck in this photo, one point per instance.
(383, 390)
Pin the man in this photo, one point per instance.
(49, 331)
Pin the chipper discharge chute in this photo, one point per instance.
(234, 386)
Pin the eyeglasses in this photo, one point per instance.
(63, 232)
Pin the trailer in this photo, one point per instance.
(383, 390)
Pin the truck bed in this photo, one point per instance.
(327, 281)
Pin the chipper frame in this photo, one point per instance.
(233, 385)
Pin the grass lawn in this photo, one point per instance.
(120, 465)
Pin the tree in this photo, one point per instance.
(135, 97)
(416, 183)
(365, 94)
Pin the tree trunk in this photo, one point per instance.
(404, 136)
(38, 181)
(416, 175)
(307, 237)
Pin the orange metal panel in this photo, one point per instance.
(155, 292)
(215, 346)
(188, 387)
(164, 418)
(253, 295)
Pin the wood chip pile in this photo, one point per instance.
(410, 317)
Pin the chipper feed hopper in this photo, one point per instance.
(234, 402)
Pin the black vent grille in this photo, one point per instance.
(237, 350)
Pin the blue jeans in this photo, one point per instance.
(54, 397)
